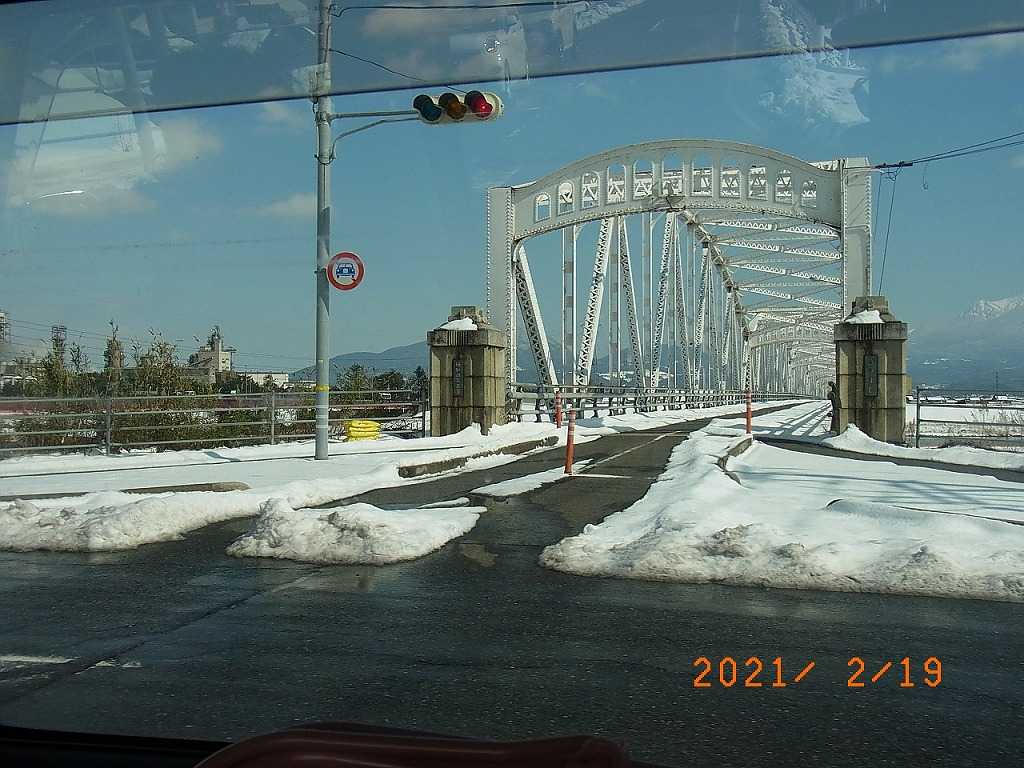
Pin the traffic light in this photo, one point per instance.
(449, 108)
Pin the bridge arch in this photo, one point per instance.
(783, 243)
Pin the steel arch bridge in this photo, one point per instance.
(747, 258)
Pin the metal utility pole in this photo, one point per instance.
(447, 109)
(323, 229)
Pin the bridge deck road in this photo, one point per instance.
(478, 639)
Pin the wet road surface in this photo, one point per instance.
(178, 639)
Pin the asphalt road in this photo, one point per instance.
(178, 639)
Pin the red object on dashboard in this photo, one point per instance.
(345, 745)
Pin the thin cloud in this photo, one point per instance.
(958, 55)
(301, 205)
(79, 170)
(406, 22)
(285, 115)
(186, 140)
(1017, 161)
(969, 55)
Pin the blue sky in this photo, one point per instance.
(223, 234)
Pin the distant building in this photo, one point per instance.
(277, 378)
(212, 362)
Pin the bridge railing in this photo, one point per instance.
(537, 402)
(116, 424)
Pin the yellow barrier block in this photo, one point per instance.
(362, 429)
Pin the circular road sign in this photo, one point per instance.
(345, 271)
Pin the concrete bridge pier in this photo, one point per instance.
(467, 373)
(871, 365)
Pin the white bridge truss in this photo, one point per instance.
(747, 259)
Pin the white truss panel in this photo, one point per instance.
(532, 319)
(667, 249)
(629, 291)
(592, 318)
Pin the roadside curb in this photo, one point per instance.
(213, 487)
(444, 465)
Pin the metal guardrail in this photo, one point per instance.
(618, 400)
(1001, 422)
(111, 424)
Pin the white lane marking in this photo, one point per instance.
(635, 447)
(16, 659)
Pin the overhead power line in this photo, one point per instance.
(888, 226)
(990, 145)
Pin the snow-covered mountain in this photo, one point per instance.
(989, 309)
(973, 348)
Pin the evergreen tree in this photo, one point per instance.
(389, 380)
(354, 379)
(420, 382)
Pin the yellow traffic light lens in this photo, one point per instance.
(452, 106)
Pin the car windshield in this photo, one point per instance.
(512, 370)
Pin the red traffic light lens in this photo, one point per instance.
(479, 105)
(428, 110)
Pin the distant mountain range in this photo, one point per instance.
(402, 359)
(972, 350)
(969, 351)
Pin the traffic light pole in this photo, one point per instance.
(482, 106)
(323, 231)
(324, 155)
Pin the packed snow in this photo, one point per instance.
(354, 534)
(809, 423)
(256, 466)
(115, 521)
(462, 324)
(104, 519)
(797, 477)
(696, 524)
(527, 483)
(865, 317)
(853, 439)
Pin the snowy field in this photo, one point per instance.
(807, 522)
(105, 518)
(1002, 426)
(964, 413)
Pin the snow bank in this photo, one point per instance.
(106, 522)
(810, 422)
(462, 324)
(356, 534)
(852, 439)
(695, 524)
(865, 316)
